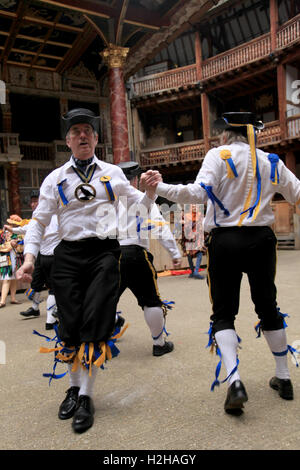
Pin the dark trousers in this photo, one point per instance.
(139, 275)
(232, 252)
(46, 268)
(38, 278)
(86, 284)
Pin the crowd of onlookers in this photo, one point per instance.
(11, 258)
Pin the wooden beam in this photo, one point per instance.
(136, 15)
(53, 43)
(97, 29)
(40, 67)
(78, 48)
(120, 23)
(49, 24)
(42, 45)
(15, 26)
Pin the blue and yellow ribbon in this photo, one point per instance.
(225, 154)
(274, 159)
(63, 199)
(254, 209)
(106, 181)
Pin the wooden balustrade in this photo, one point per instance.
(288, 33)
(37, 151)
(165, 80)
(237, 57)
(271, 134)
(229, 60)
(293, 126)
(189, 151)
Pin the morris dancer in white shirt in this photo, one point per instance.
(238, 182)
(137, 270)
(42, 274)
(86, 261)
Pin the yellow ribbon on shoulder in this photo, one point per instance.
(225, 154)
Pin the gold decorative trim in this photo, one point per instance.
(115, 56)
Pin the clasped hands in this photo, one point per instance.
(149, 181)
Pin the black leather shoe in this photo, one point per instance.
(30, 312)
(120, 322)
(50, 326)
(283, 386)
(84, 415)
(161, 350)
(68, 406)
(236, 396)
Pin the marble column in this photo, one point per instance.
(115, 57)
(13, 189)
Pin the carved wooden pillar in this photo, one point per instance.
(205, 120)
(13, 189)
(198, 55)
(273, 23)
(281, 90)
(115, 57)
(204, 96)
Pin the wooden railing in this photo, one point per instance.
(239, 56)
(271, 134)
(188, 151)
(36, 151)
(49, 151)
(293, 126)
(165, 80)
(288, 33)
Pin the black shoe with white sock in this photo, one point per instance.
(30, 312)
(68, 406)
(84, 415)
(161, 350)
(236, 397)
(283, 386)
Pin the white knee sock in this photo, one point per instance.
(277, 342)
(74, 377)
(36, 300)
(228, 343)
(154, 318)
(51, 306)
(87, 381)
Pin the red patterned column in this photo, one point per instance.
(115, 57)
(13, 189)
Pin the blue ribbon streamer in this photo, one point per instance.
(274, 159)
(232, 166)
(214, 201)
(109, 190)
(61, 193)
(258, 327)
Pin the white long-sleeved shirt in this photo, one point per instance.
(133, 229)
(233, 192)
(80, 219)
(50, 239)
